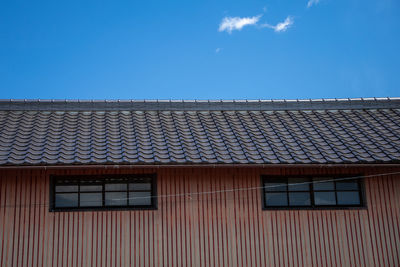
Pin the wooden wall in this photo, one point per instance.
(227, 228)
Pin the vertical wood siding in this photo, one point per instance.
(227, 228)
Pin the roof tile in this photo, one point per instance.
(36, 135)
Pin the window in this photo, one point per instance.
(311, 192)
(103, 192)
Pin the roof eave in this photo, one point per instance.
(206, 165)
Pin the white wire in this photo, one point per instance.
(264, 187)
(189, 195)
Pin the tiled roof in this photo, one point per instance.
(199, 132)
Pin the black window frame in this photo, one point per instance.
(277, 178)
(103, 180)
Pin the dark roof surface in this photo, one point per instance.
(199, 132)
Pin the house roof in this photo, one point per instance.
(325, 131)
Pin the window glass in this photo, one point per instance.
(91, 200)
(91, 188)
(66, 188)
(115, 198)
(139, 198)
(276, 199)
(270, 187)
(346, 185)
(140, 186)
(299, 199)
(323, 184)
(72, 193)
(115, 187)
(324, 198)
(348, 198)
(66, 200)
(298, 184)
(314, 192)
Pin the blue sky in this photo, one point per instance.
(272, 49)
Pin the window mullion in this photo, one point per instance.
(312, 193)
(103, 192)
(336, 195)
(73, 193)
(287, 192)
(79, 194)
(327, 196)
(127, 193)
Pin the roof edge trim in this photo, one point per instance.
(198, 105)
(116, 166)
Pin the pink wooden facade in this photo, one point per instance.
(225, 228)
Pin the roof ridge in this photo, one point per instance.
(187, 105)
(201, 100)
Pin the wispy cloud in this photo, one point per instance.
(281, 26)
(218, 50)
(310, 3)
(230, 24)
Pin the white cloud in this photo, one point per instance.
(312, 2)
(237, 23)
(218, 50)
(281, 26)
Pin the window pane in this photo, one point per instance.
(91, 188)
(115, 199)
(115, 187)
(347, 185)
(140, 186)
(91, 200)
(276, 199)
(299, 199)
(66, 188)
(298, 184)
(97, 192)
(348, 198)
(270, 187)
(66, 200)
(67, 181)
(323, 184)
(139, 198)
(324, 198)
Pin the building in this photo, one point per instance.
(200, 183)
